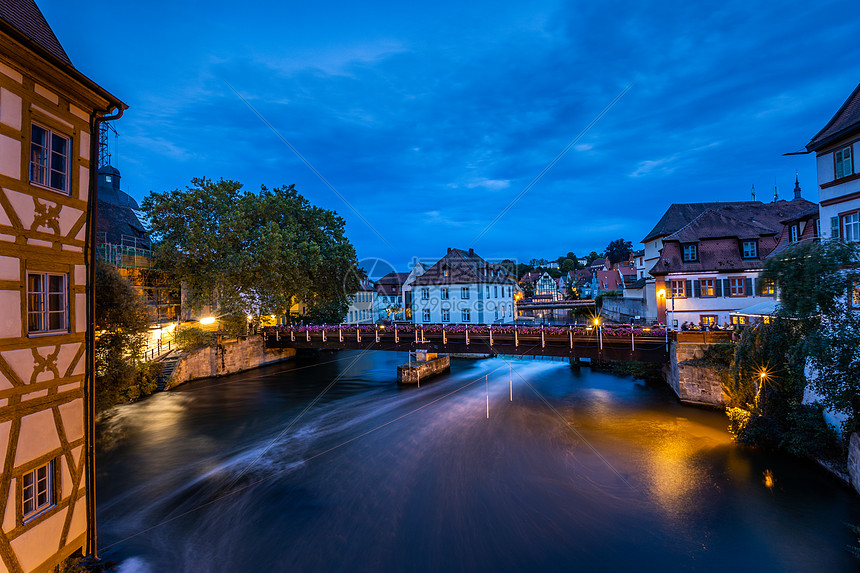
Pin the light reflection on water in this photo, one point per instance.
(443, 487)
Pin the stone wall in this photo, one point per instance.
(227, 358)
(854, 461)
(623, 309)
(407, 374)
(692, 381)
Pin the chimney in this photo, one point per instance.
(796, 186)
(471, 252)
(449, 250)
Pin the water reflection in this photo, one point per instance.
(605, 474)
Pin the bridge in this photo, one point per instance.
(621, 343)
(555, 304)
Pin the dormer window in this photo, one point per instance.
(749, 249)
(794, 233)
(445, 272)
(691, 253)
(844, 163)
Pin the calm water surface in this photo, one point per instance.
(582, 471)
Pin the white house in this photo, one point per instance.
(361, 304)
(464, 288)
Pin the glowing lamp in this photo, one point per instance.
(661, 293)
(207, 320)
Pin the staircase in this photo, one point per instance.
(168, 363)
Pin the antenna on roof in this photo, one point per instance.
(775, 191)
(753, 193)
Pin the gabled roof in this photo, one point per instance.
(25, 16)
(609, 280)
(846, 121)
(464, 267)
(530, 277)
(680, 214)
(749, 220)
(389, 285)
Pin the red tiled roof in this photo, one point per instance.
(464, 267)
(390, 284)
(627, 271)
(844, 123)
(609, 280)
(680, 214)
(25, 16)
(530, 277)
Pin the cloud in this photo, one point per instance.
(491, 184)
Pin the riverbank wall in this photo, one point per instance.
(692, 380)
(226, 358)
(415, 372)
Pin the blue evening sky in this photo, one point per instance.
(430, 119)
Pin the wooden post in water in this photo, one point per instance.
(340, 333)
(396, 338)
(490, 328)
(467, 336)
(444, 336)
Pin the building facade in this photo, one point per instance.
(464, 288)
(361, 304)
(836, 147)
(47, 113)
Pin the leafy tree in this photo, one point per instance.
(813, 278)
(121, 321)
(567, 265)
(619, 250)
(253, 253)
(836, 361)
(593, 256)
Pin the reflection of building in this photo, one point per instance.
(122, 241)
(464, 288)
(361, 304)
(46, 158)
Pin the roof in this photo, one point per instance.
(464, 267)
(117, 222)
(680, 214)
(530, 277)
(390, 284)
(23, 22)
(843, 123)
(26, 17)
(765, 308)
(609, 280)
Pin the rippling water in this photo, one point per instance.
(582, 471)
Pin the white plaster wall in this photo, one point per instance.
(10, 322)
(688, 309)
(38, 436)
(10, 158)
(10, 109)
(481, 308)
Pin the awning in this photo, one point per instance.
(766, 308)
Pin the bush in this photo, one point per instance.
(192, 338)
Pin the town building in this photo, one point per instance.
(835, 148)
(362, 304)
(709, 267)
(49, 117)
(389, 296)
(545, 288)
(464, 288)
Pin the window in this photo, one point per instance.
(466, 315)
(707, 286)
(749, 249)
(495, 292)
(844, 166)
(739, 320)
(446, 315)
(425, 294)
(851, 227)
(38, 490)
(445, 271)
(793, 234)
(767, 287)
(464, 292)
(818, 228)
(426, 315)
(445, 293)
(488, 291)
(708, 319)
(691, 253)
(736, 286)
(49, 159)
(678, 289)
(510, 291)
(47, 302)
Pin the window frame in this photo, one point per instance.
(737, 287)
(753, 252)
(675, 292)
(768, 287)
(712, 287)
(466, 315)
(48, 167)
(46, 295)
(425, 293)
(48, 489)
(446, 315)
(708, 319)
(840, 162)
(445, 294)
(794, 233)
(855, 225)
(693, 256)
(464, 293)
(425, 315)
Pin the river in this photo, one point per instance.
(581, 471)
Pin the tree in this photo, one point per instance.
(593, 256)
(619, 250)
(122, 319)
(836, 363)
(253, 253)
(567, 265)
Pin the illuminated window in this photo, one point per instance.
(47, 302)
(426, 315)
(767, 287)
(750, 249)
(466, 315)
(707, 287)
(736, 286)
(708, 319)
(844, 166)
(37, 489)
(446, 315)
(49, 159)
(854, 297)
(445, 272)
(691, 253)
(445, 293)
(464, 292)
(678, 289)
